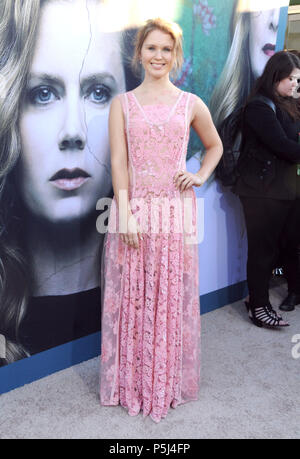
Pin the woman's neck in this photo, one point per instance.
(152, 91)
(151, 84)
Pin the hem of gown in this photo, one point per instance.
(174, 404)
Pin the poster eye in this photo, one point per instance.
(99, 94)
(42, 95)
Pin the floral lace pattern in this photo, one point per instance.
(150, 356)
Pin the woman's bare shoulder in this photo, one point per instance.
(199, 107)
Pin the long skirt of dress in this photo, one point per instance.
(150, 352)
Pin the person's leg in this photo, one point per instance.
(292, 269)
(265, 220)
(291, 257)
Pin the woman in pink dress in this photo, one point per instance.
(151, 314)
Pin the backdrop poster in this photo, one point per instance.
(61, 63)
(233, 50)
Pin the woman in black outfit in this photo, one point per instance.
(292, 270)
(268, 186)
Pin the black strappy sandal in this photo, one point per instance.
(265, 316)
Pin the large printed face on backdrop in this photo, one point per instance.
(76, 70)
(262, 38)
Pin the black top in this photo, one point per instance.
(54, 320)
(268, 164)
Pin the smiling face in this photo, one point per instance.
(64, 167)
(287, 86)
(262, 38)
(157, 54)
(296, 91)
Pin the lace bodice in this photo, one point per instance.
(157, 142)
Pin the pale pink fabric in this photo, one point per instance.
(150, 356)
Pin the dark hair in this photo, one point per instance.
(278, 67)
(294, 51)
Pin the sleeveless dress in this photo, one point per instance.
(150, 352)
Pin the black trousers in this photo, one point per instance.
(271, 224)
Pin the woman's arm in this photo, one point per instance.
(119, 170)
(204, 127)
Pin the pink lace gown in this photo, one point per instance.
(151, 314)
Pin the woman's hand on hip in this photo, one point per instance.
(184, 180)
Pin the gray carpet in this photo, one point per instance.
(250, 389)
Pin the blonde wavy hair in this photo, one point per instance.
(235, 81)
(18, 29)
